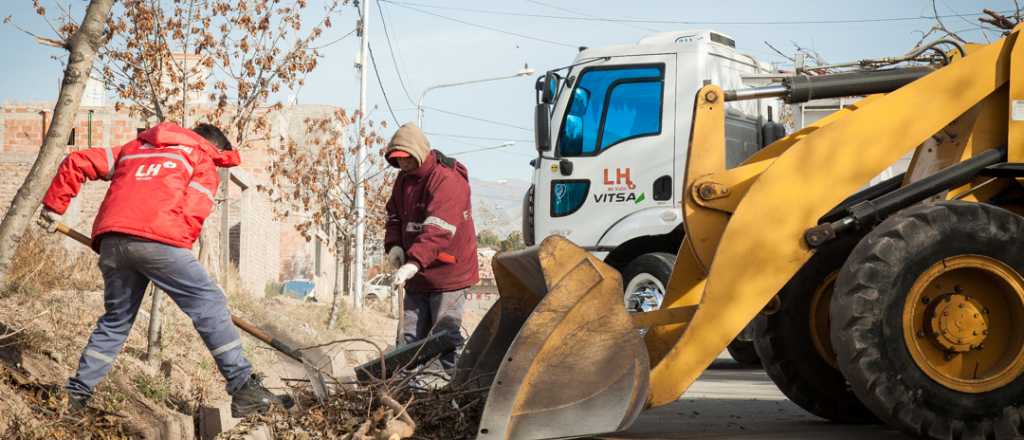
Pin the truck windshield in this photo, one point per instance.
(610, 105)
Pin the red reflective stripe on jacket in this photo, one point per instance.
(162, 184)
(446, 258)
(430, 217)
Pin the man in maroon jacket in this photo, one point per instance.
(430, 238)
(162, 188)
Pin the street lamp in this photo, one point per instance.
(525, 71)
(505, 144)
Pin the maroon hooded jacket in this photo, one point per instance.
(430, 217)
(162, 184)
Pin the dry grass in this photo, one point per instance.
(43, 263)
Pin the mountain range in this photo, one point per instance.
(498, 205)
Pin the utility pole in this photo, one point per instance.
(357, 294)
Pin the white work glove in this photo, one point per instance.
(403, 274)
(48, 220)
(396, 257)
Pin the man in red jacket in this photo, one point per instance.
(162, 188)
(430, 237)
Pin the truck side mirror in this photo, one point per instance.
(542, 126)
(548, 87)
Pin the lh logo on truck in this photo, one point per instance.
(621, 178)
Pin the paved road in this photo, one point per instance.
(733, 402)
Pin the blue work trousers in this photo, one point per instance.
(128, 265)
(440, 312)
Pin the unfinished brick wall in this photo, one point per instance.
(259, 242)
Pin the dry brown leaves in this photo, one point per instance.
(50, 405)
(312, 173)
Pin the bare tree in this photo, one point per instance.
(186, 59)
(990, 21)
(1003, 22)
(82, 43)
(313, 180)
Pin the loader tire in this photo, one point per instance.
(743, 352)
(962, 262)
(794, 346)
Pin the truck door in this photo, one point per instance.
(614, 148)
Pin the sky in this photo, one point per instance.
(435, 42)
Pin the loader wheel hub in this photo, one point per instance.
(820, 320)
(959, 323)
(963, 323)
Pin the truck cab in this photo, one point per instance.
(613, 132)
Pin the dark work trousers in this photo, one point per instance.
(128, 265)
(427, 313)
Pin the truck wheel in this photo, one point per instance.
(645, 279)
(795, 347)
(743, 352)
(928, 321)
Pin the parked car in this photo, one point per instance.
(299, 288)
(378, 287)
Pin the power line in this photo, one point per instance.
(467, 23)
(559, 8)
(394, 56)
(343, 37)
(477, 146)
(477, 150)
(373, 62)
(475, 118)
(486, 138)
(409, 5)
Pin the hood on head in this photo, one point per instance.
(410, 139)
(169, 133)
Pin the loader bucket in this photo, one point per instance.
(557, 349)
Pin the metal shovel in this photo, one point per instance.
(316, 378)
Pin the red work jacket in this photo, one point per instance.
(431, 218)
(162, 184)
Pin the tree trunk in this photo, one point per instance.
(340, 275)
(203, 248)
(83, 46)
(225, 228)
(155, 330)
(349, 282)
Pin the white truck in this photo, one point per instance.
(612, 131)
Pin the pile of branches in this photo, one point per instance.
(416, 403)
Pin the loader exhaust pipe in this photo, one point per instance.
(803, 88)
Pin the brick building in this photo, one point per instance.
(264, 249)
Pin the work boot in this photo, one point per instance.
(254, 398)
(76, 402)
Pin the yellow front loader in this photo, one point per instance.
(901, 303)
